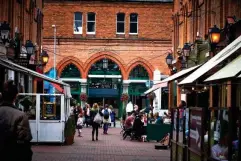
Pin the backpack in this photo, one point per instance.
(106, 114)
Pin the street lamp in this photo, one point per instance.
(45, 57)
(4, 29)
(169, 59)
(105, 63)
(186, 49)
(214, 35)
(30, 47)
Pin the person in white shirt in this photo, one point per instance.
(80, 124)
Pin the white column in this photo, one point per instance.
(125, 87)
(83, 90)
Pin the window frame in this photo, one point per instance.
(90, 33)
(81, 32)
(133, 22)
(120, 33)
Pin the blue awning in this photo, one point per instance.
(103, 92)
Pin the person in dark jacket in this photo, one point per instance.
(15, 134)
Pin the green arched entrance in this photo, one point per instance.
(104, 83)
(69, 75)
(139, 84)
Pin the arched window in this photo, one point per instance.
(139, 73)
(70, 71)
(105, 67)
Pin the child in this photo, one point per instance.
(80, 124)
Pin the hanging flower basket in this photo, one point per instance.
(83, 97)
(151, 96)
(124, 97)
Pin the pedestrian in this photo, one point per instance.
(76, 113)
(95, 124)
(80, 124)
(106, 119)
(87, 114)
(15, 134)
(181, 108)
(113, 115)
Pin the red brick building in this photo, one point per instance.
(25, 21)
(132, 37)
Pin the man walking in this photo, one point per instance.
(15, 134)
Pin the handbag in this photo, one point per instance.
(98, 118)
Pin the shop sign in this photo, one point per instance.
(22, 62)
(195, 129)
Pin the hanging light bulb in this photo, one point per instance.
(193, 88)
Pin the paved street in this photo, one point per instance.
(110, 147)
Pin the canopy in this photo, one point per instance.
(179, 74)
(221, 56)
(155, 87)
(231, 70)
(12, 66)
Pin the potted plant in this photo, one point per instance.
(69, 130)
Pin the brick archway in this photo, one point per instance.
(101, 55)
(142, 62)
(70, 60)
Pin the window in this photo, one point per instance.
(77, 23)
(120, 24)
(133, 23)
(91, 23)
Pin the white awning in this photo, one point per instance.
(179, 74)
(12, 66)
(229, 71)
(221, 56)
(155, 87)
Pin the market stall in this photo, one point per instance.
(47, 113)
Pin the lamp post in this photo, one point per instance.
(186, 49)
(54, 26)
(45, 58)
(169, 59)
(29, 47)
(5, 30)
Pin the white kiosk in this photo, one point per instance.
(47, 113)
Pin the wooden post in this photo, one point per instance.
(229, 94)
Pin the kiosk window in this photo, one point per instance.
(27, 104)
(50, 107)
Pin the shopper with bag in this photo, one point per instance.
(96, 119)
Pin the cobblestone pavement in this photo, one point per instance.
(110, 147)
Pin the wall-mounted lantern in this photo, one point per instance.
(214, 35)
(4, 30)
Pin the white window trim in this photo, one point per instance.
(133, 22)
(90, 33)
(120, 33)
(81, 32)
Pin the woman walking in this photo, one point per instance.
(95, 121)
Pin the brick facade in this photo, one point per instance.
(192, 18)
(147, 48)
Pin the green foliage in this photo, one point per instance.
(69, 129)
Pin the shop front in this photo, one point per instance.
(213, 131)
